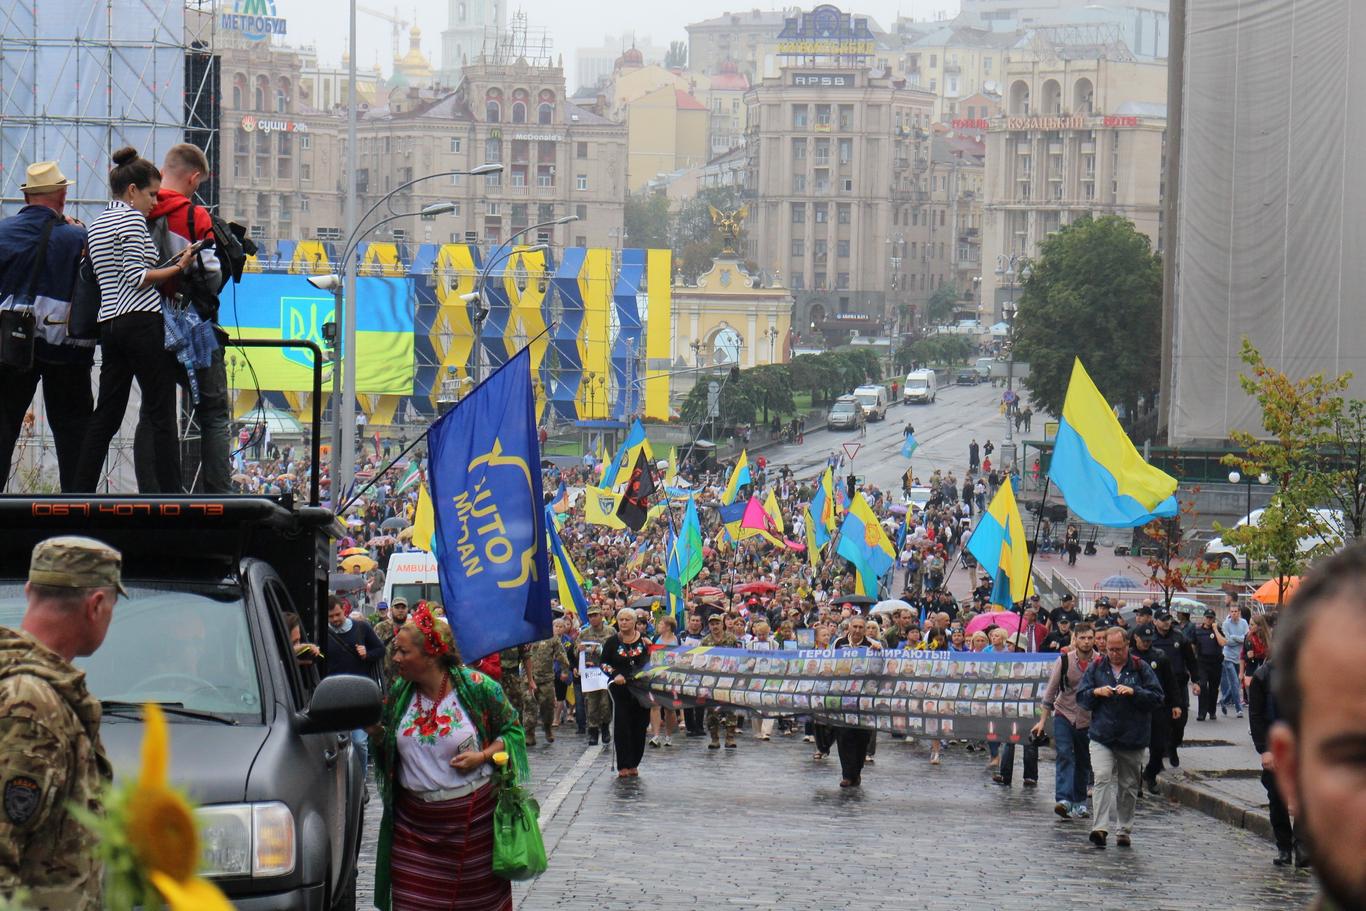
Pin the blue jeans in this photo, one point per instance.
(361, 741)
(1073, 763)
(1231, 688)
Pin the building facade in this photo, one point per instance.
(954, 62)
(1080, 137)
(837, 193)
(1142, 25)
(468, 22)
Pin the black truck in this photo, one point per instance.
(257, 740)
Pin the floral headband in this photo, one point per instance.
(433, 643)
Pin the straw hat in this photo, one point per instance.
(44, 177)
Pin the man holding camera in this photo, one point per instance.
(1120, 691)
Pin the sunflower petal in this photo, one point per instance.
(193, 894)
(155, 748)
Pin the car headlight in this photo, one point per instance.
(249, 839)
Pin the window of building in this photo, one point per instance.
(580, 240)
(545, 114)
(798, 281)
(820, 248)
(545, 176)
(582, 212)
(798, 247)
(286, 209)
(455, 145)
(846, 112)
(580, 150)
(518, 176)
(493, 111)
(305, 142)
(848, 185)
(323, 233)
(822, 213)
(800, 114)
(798, 183)
(799, 149)
(455, 179)
(304, 205)
(285, 143)
(581, 182)
(799, 213)
(281, 101)
(493, 180)
(284, 167)
(986, 64)
(934, 61)
(842, 249)
(518, 112)
(493, 208)
(842, 281)
(819, 282)
(846, 151)
(843, 212)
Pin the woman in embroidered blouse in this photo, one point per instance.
(441, 727)
(623, 656)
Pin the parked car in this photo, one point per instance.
(1227, 556)
(873, 401)
(920, 387)
(845, 414)
(969, 376)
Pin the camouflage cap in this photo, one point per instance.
(71, 561)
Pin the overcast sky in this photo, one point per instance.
(574, 24)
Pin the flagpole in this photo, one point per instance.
(1038, 524)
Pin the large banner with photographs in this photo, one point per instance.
(962, 695)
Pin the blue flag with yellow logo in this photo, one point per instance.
(485, 474)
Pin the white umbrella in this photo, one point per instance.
(891, 604)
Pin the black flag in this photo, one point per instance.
(635, 501)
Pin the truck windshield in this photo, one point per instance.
(842, 408)
(414, 592)
(917, 382)
(867, 398)
(191, 649)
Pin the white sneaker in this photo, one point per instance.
(808, 739)
(668, 740)
(654, 741)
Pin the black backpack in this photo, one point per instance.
(232, 248)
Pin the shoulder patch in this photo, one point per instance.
(476, 678)
(22, 797)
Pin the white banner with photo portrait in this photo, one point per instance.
(961, 695)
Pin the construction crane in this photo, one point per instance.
(394, 19)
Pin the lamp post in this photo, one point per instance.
(771, 334)
(1010, 268)
(1235, 478)
(500, 253)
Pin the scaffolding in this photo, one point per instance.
(520, 43)
(79, 79)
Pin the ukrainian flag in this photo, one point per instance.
(739, 477)
(823, 510)
(864, 544)
(572, 598)
(1101, 475)
(1002, 549)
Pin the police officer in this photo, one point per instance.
(50, 753)
(1179, 652)
(1164, 714)
(1103, 619)
(719, 717)
(599, 702)
(1066, 610)
(1209, 656)
(544, 655)
(385, 630)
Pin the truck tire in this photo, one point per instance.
(346, 901)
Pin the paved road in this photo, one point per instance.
(943, 430)
(765, 827)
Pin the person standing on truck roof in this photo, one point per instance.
(353, 648)
(50, 753)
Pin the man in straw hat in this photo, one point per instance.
(50, 753)
(40, 249)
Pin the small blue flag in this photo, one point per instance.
(908, 448)
(485, 477)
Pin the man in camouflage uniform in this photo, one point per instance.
(516, 664)
(385, 630)
(544, 654)
(598, 702)
(50, 752)
(719, 716)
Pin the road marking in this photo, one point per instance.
(561, 790)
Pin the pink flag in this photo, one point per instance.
(756, 517)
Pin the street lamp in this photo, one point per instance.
(772, 334)
(1010, 269)
(1235, 478)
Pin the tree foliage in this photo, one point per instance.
(647, 220)
(939, 309)
(936, 351)
(677, 55)
(1302, 420)
(1095, 292)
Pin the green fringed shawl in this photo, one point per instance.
(493, 718)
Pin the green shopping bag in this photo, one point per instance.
(518, 851)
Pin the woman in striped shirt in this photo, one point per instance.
(132, 333)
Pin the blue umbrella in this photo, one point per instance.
(1115, 583)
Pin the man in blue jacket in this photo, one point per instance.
(1120, 692)
(61, 364)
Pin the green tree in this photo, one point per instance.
(939, 309)
(770, 388)
(1347, 450)
(1298, 423)
(813, 373)
(1095, 292)
(936, 351)
(736, 405)
(647, 220)
(677, 55)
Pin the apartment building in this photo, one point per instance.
(837, 193)
(1082, 135)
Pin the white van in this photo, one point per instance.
(920, 387)
(413, 576)
(873, 401)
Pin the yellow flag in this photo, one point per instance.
(424, 521)
(813, 551)
(600, 507)
(672, 471)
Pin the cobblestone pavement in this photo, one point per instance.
(741, 828)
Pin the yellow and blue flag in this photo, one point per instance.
(600, 507)
(485, 472)
(1101, 475)
(1002, 549)
(864, 544)
(823, 510)
(620, 467)
(572, 597)
(739, 477)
